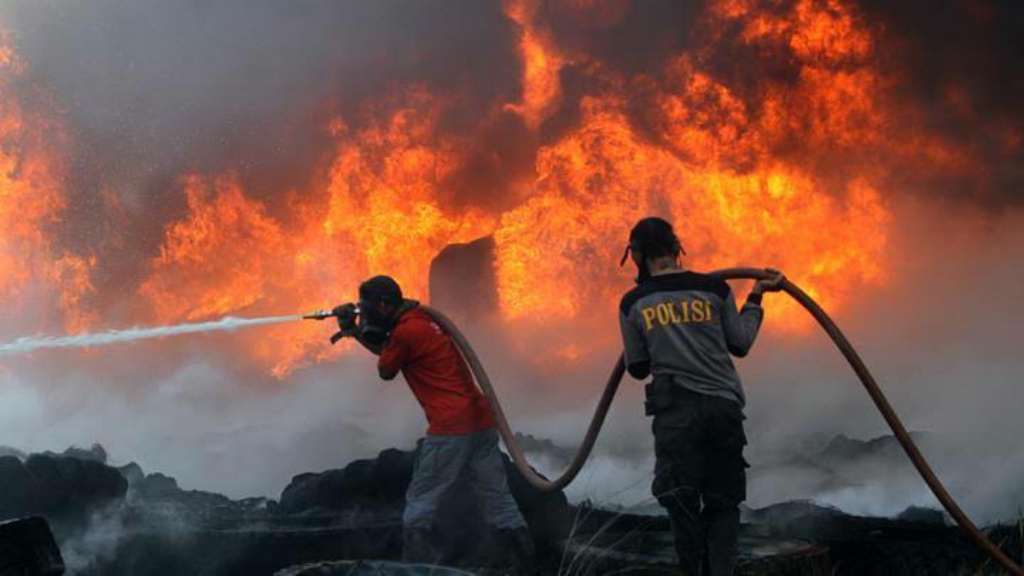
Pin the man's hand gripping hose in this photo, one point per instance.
(615, 378)
(347, 315)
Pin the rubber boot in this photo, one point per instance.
(689, 541)
(418, 546)
(721, 528)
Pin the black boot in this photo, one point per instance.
(722, 528)
(418, 546)
(689, 540)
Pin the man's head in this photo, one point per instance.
(379, 298)
(653, 245)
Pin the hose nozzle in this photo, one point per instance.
(325, 314)
(319, 315)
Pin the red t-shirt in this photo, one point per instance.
(437, 375)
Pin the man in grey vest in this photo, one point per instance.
(682, 327)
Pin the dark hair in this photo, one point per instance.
(381, 289)
(653, 238)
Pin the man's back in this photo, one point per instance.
(437, 375)
(685, 325)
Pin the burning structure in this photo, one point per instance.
(250, 159)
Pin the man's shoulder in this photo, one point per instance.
(416, 323)
(677, 282)
(630, 298)
(410, 321)
(704, 283)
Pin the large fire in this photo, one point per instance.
(33, 272)
(378, 213)
(786, 171)
(715, 168)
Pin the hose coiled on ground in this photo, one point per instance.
(615, 378)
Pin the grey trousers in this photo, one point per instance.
(442, 460)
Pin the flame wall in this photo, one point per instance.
(771, 133)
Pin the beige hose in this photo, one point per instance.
(612, 386)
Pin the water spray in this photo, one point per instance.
(31, 343)
(28, 344)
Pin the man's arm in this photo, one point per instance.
(388, 370)
(741, 327)
(394, 354)
(638, 360)
(376, 349)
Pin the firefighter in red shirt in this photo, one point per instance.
(461, 441)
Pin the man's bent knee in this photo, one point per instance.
(502, 512)
(418, 516)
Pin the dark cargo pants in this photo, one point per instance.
(700, 473)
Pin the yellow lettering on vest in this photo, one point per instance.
(675, 315)
(707, 309)
(698, 311)
(648, 317)
(663, 314)
(685, 305)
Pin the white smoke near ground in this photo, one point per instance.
(98, 542)
(211, 429)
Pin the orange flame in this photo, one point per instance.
(596, 181)
(32, 201)
(715, 166)
(542, 63)
(383, 215)
(556, 253)
(385, 195)
(208, 265)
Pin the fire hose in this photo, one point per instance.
(615, 378)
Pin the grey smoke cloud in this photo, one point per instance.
(153, 90)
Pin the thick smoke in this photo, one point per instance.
(964, 61)
(153, 90)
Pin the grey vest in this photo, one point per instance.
(685, 325)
